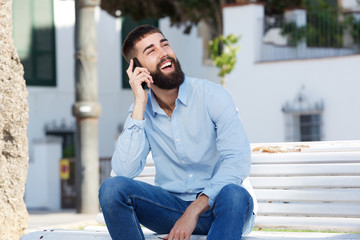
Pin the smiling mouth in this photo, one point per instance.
(167, 65)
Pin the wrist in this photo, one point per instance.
(192, 212)
(199, 206)
(138, 111)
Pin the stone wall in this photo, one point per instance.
(13, 139)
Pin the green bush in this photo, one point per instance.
(223, 50)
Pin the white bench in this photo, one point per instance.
(299, 186)
(303, 186)
(315, 189)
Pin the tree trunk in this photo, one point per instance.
(13, 138)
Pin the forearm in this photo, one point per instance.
(233, 170)
(184, 227)
(199, 206)
(139, 110)
(132, 149)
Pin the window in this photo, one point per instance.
(127, 26)
(303, 127)
(310, 127)
(34, 38)
(303, 118)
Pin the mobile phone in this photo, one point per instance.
(137, 64)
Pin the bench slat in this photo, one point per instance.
(149, 180)
(308, 195)
(323, 157)
(306, 182)
(310, 209)
(293, 182)
(315, 146)
(309, 223)
(292, 170)
(306, 169)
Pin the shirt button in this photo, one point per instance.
(190, 191)
(190, 175)
(183, 162)
(178, 139)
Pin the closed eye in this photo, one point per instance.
(164, 42)
(149, 51)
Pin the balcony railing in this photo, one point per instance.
(303, 35)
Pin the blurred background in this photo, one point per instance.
(296, 78)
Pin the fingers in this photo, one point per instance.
(138, 76)
(137, 70)
(131, 65)
(142, 77)
(173, 235)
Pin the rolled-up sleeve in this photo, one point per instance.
(232, 144)
(131, 150)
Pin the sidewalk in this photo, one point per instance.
(63, 219)
(69, 219)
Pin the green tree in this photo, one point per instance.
(276, 7)
(189, 13)
(186, 13)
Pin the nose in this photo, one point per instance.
(162, 53)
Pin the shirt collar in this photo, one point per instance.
(154, 105)
(182, 97)
(184, 92)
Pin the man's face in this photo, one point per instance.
(155, 54)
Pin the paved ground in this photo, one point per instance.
(100, 235)
(64, 219)
(69, 219)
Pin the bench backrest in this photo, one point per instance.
(303, 185)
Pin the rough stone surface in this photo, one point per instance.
(13, 139)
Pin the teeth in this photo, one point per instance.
(166, 65)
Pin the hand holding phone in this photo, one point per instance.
(136, 63)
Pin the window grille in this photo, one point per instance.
(303, 119)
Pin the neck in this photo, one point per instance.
(166, 98)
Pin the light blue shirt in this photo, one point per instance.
(201, 148)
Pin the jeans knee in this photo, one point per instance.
(235, 195)
(112, 188)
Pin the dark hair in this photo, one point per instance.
(140, 32)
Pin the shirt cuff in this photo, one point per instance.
(211, 194)
(130, 122)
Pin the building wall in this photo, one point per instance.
(52, 105)
(261, 89)
(350, 4)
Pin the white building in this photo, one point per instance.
(260, 89)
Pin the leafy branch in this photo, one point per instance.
(223, 50)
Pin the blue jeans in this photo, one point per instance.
(127, 203)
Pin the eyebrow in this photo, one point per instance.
(151, 45)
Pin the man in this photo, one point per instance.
(200, 150)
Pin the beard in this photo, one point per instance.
(170, 81)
